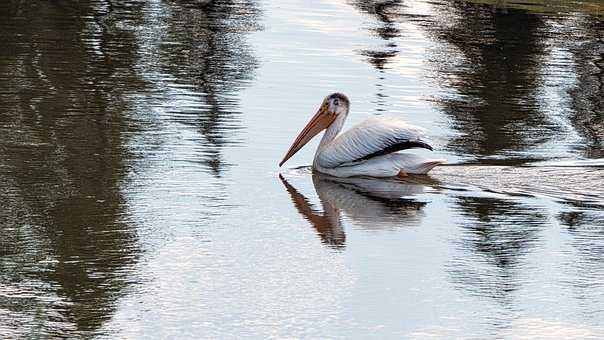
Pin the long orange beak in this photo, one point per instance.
(320, 121)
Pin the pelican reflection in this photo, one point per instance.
(369, 203)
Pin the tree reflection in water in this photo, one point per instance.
(585, 225)
(214, 57)
(490, 59)
(386, 12)
(79, 83)
(587, 96)
(68, 244)
(496, 235)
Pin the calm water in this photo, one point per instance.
(141, 196)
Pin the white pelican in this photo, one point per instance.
(368, 203)
(367, 149)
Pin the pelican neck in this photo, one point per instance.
(331, 133)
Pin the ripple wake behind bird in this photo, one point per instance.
(568, 184)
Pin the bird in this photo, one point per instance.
(370, 148)
(368, 203)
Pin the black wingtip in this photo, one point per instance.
(424, 145)
(407, 144)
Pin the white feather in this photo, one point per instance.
(371, 136)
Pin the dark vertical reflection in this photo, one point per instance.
(79, 81)
(385, 12)
(490, 61)
(213, 57)
(66, 244)
(368, 203)
(386, 28)
(585, 225)
(496, 236)
(587, 96)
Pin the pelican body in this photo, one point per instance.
(370, 148)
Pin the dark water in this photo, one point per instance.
(141, 197)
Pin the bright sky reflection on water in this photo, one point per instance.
(141, 196)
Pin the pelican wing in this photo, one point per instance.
(374, 137)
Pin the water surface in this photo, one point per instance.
(141, 196)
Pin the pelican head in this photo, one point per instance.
(335, 105)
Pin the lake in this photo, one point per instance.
(141, 196)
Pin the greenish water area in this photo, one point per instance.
(564, 7)
(141, 197)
